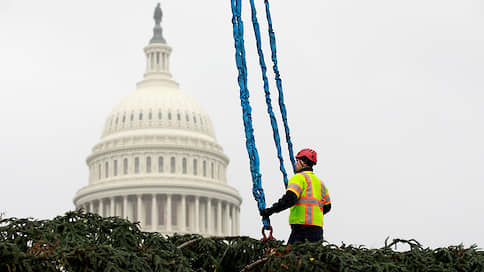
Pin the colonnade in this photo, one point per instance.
(157, 58)
(170, 213)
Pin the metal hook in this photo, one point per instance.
(264, 237)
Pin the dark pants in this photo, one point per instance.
(301, 233)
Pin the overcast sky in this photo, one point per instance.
(390, 94)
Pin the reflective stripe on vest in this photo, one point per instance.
(295, 187)
(308, 201)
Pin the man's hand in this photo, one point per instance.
(266, 212)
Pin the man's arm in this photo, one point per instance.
(326, 208)
(286, 201)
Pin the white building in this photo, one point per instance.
(158, 161)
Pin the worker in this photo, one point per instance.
(308, 199)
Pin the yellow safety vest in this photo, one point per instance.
(312, 196)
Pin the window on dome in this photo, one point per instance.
(172, 165)
(125, 166)
(204, 168)
(157, 57)
(211, 171)
(188, 119)
(194, 119)
(160, 164)
(132, 117)
(136, 165)
(148, 164)
(178, 116)
(150, 116)
(159, 115)
(141, 116)
(184, 166)
(169, 115)
(115, 168)
(116, 120)
(195, 166)
(99, 171)
(124, 118)
(106, 170)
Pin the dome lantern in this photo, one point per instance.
(157, 54)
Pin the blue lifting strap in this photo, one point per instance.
(238, 33)
(282, 106)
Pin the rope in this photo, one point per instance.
(240, 59)
(275, 129)
(282, 106)
(238, 33)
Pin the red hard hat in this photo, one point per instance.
(308, 153)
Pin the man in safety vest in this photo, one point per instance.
(308, 199)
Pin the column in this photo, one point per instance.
(139, 206)
(197, 214)
(183, 223)
(154, 212)
(237, 221)
(209, 216)
(101, 207)
(232, 211)
(112, 206)
(227, 219)
(219, 217)
(125, 206)
(168, 213)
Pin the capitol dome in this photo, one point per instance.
(158, 161)
(158, 107)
